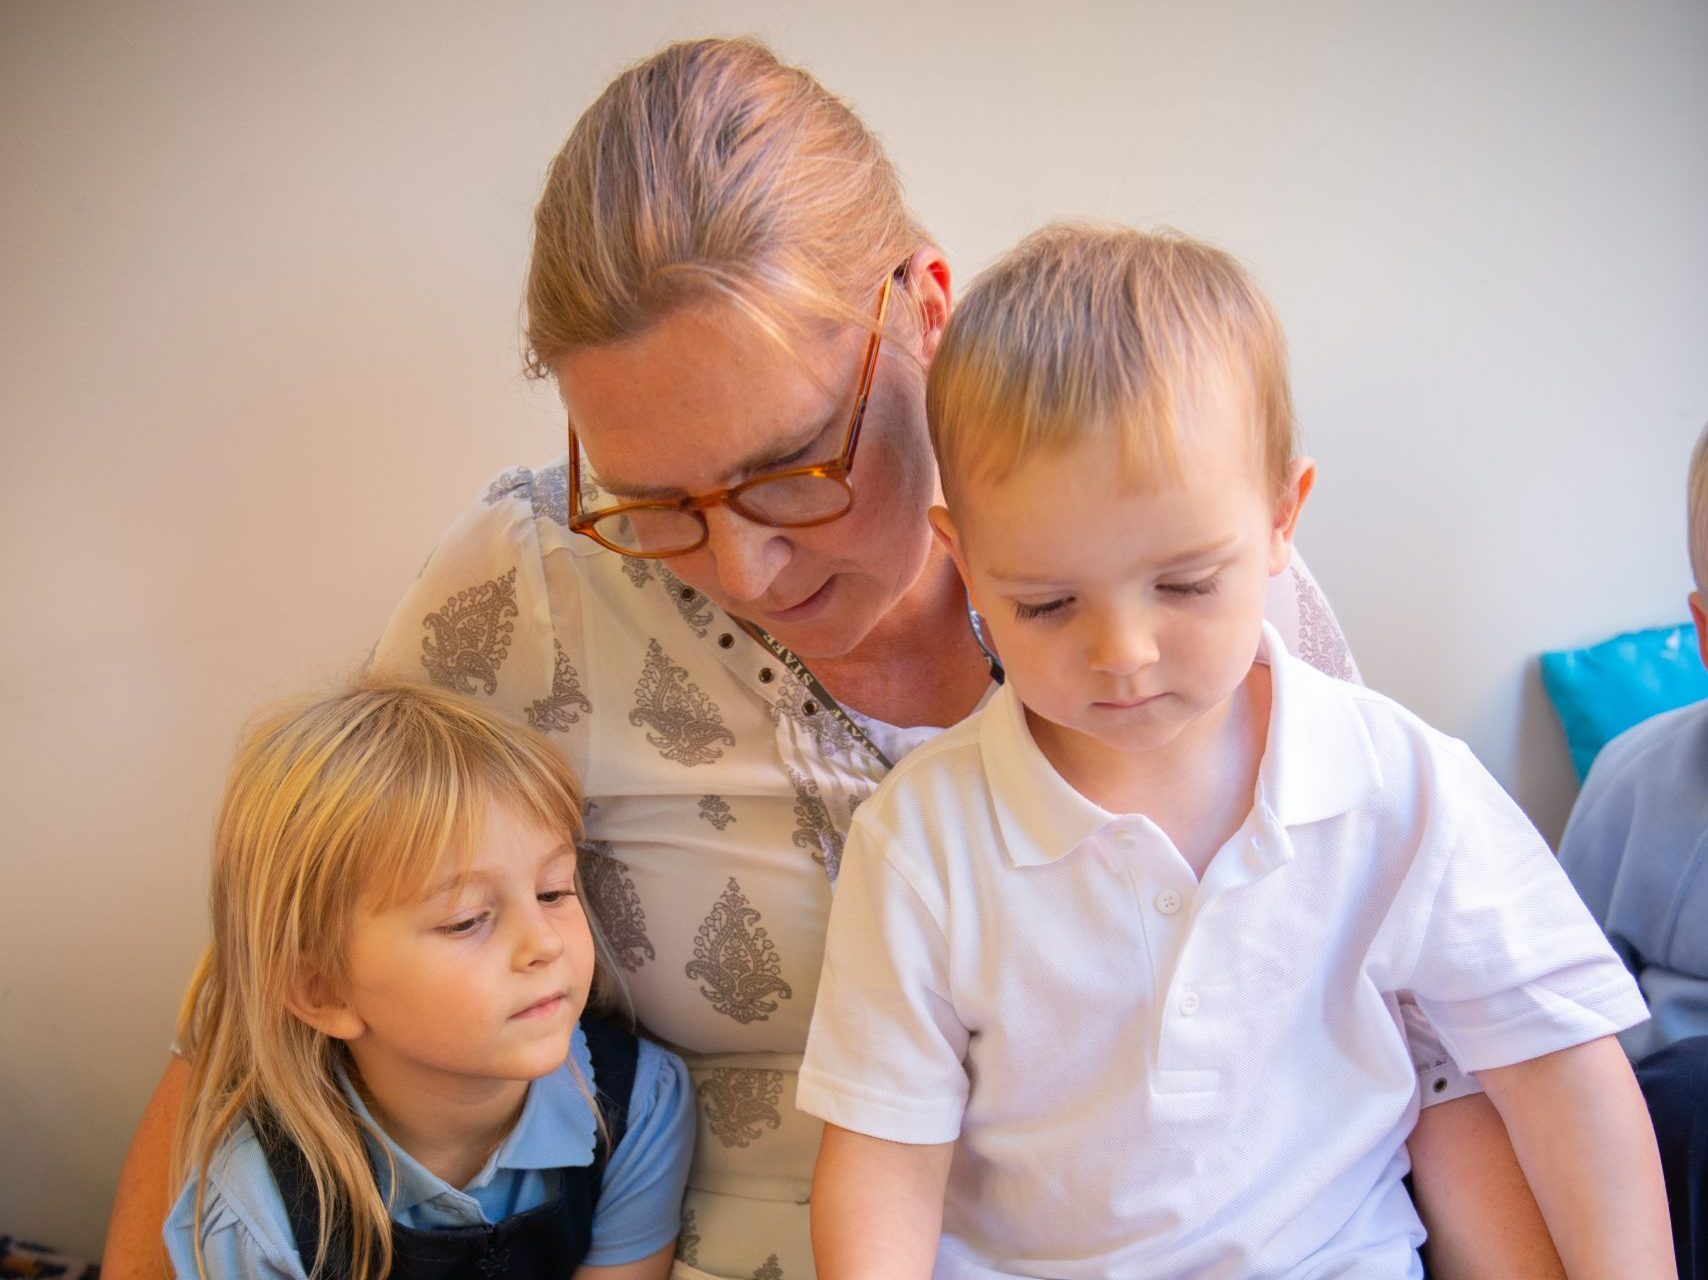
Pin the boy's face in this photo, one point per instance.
(1125, 618)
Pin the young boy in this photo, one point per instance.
(1635, 841)
(1113, 980)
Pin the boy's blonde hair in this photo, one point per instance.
(364, 798)
(1698, 508)
(1103, 333)
(712, 171)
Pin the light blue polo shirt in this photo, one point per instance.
(246, 1232)
(1636, 847)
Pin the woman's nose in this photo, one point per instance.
(747, 557)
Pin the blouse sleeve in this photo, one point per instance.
(495, 613)
(245, 1232)
(640, 1201)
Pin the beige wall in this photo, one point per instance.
(259, 268)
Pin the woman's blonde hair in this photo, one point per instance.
(712, 171)
(1105, 333)
(363, 798)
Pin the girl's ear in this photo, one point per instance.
(1301, 476)
(314, 998)
(1699, 615)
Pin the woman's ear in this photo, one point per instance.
(928, 288)
(315, 999)
(1301, 477)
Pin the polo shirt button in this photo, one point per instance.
(1257, 843)
(1188, 1003)
(1126, 839)
(1168, 902)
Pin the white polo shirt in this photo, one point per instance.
(1150, 1075)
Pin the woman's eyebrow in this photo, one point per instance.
(760, 459)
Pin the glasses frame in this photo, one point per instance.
(838, 469)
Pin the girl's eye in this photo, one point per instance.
(462, 928)
(1202, 587)
(551, 897)
(1025, 612)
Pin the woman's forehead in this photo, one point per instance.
(701, 393)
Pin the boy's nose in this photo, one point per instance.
(747, 557)
(1125, 643)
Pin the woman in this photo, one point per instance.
(738, 309)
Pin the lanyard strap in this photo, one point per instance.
(828, 704)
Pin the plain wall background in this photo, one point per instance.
(259, 280)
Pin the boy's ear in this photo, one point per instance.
(1301, 477)
(314, 999)
(1699, 615)
(928, 286)
(943, 525)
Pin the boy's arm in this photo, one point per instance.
(877, 1206)
(1583, 1137)
(135, 1249)
(1482, 1218)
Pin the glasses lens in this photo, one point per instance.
(794, 500)
(651, 531)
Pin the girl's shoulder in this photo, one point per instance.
(245, 1230)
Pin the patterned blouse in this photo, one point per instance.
(720, 782)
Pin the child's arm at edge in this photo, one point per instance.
(655, 1266)
(1584, 1140)
(135, 1249)
(1471, 1194)
(877, 1206)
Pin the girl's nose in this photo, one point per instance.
(747, 557)
(540, 941)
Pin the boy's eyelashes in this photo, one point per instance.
(1025, 612)
(1196, 587)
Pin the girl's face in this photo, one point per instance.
(480, 981)
(704, 399)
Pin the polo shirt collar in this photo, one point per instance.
(1318, 762)
(556, 1130)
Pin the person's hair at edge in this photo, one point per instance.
(1698, 507)
(712, 171)
(1098, 333)
(364, 798)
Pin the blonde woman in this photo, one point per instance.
(390, 1073)
(728, 609)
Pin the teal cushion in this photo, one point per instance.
(1601, 691)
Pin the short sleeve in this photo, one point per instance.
(640, 1200)
(884, 1055)
(495, 613)
(1509, 964)
(245, 1232)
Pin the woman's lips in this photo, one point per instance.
(805, 608)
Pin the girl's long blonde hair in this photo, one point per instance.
(711, 170)
(366, 797)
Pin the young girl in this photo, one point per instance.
(391, 1072)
